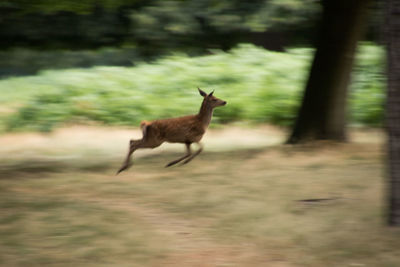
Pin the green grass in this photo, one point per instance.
(259, 85)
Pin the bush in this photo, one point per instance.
(367, 89)
(259, 85)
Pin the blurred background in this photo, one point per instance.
(258, 52)
(76, 79)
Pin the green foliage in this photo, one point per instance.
(284, 14)
(15, 61)
(225, 15)
(50, 6)
(154, 27)
(259, 86)
(368, 96)
(217, 23)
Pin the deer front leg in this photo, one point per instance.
(194, 155)
(133, 145)
(188, 153)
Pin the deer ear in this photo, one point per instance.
(202, 93)
(210, 94)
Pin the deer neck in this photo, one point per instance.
(205, 114)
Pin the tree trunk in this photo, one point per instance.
(323, 111)
(393, 108)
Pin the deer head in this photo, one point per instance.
(210, 100)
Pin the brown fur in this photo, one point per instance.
(187, 130)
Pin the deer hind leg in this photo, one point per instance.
(145, 142)
(188, 153)
(148, 141)
(193, 155)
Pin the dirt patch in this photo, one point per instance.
(84, 143)
(115, 140)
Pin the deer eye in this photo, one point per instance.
(214, 100)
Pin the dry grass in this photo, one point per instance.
(237, 204)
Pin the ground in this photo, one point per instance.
(247, 200)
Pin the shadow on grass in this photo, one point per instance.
(12, 169)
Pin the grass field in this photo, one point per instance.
(246, 200)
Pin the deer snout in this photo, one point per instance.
(224, 103)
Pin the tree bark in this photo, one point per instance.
(323, 111)
(393, 108)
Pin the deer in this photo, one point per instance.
(186, 130)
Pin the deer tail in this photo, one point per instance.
(144, 125)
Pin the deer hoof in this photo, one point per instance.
(124, 168)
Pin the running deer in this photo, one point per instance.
(187, 130)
